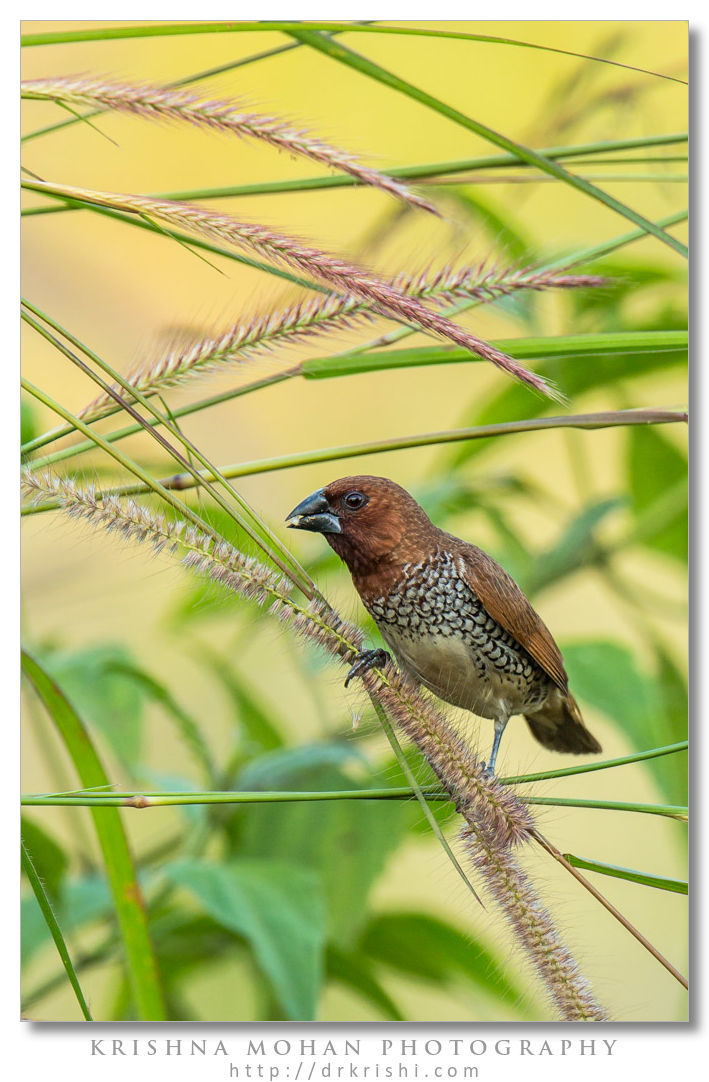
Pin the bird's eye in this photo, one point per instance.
(355, 500)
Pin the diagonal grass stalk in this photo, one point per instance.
(52, 923)
(287, 565)
(223, 115)
(612, 909)
(344, 55)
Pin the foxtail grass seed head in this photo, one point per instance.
(535, 929)
(321, 315)
(345, 277)
(166, 103)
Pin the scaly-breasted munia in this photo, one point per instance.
(455, 620)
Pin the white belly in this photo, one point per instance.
(446, 666)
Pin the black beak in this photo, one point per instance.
(314, 513)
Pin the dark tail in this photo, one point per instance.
(559, 726)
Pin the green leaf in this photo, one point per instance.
(656, 465)
(676, 886)
(346, 842)
(28, 421)
(258, 731)
(109, 700)
(432, 950)
(607, 350)
(125, 891)
(278, 908)
(186, 726)
(353, 971)
(673, 690)
(53, 926)
(576, 548)
(606, 676)
(48, 857)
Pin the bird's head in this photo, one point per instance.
(366, 520)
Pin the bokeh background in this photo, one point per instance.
(543, 503)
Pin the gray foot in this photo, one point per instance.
(368, 659)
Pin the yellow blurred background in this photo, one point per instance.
(123, 291)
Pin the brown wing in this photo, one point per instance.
(506, 603)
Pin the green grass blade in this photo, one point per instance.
(48, 913)
(120, 870)
(424, 171)
(261, 534)
(573, 345)
(677, 886)
(168, 29)
(423, 793)
(339, 52)
(587, 421)
(418, 792)
(584, 768)
(672, 811)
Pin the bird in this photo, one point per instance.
(454, 619)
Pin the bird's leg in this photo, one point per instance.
(500, 724)
(366, 660)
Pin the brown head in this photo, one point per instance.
(370, 522)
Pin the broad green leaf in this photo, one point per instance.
(118, 860)
(278, 907)
(48, 857)
(655, 465)
(605, 675)
(433, 950)
(346, 842)
(109, 700)
(354, 971)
